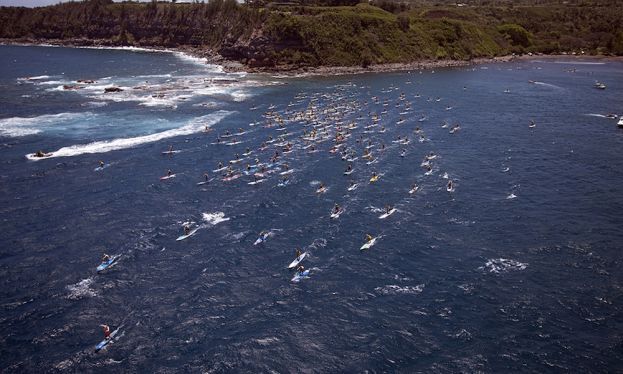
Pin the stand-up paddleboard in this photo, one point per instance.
(170, 152)
(167, 177)
(374, 179)
(335, 215)
(108, 264)
(387, 214)
(100, 168)
(232, 177)
(34, 157)
(349, 172)
(257, 182)
(219, 169)
(236, 161)
(190, 233)
(321, 190)
(373, 161)
(290, 171)
(353, 187)
(104, 343)
(369, 244)
(300, 275)
(205, 182)
(297, 260)
(262, 238)
(413, 190)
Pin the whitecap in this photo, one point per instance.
(502, 265)
(214, 218)
(22, 126)
(81, 289)
(392, 289)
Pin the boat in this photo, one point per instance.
(620, 123)
(600, 85)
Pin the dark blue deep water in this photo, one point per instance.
(517, 270)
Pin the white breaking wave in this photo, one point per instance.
(196, 125)
(81, 289)
(39, 77)
(22, 126)
(393, 289)
(502, 265)
(214, 218)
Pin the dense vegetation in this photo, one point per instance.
(331, 32)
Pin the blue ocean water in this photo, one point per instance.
(516, 270)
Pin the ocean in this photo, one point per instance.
(513, 267)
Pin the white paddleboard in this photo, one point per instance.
(297, 260)
(190, 233)
(385, 215)
(167, 177)
(353, 187)
(337, 215)
(369, 244)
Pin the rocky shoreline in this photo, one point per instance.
(212, 57)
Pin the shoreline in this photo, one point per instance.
(290, 71)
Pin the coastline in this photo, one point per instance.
(290, 71)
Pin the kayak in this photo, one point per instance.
(107, 264)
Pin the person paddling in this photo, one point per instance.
(106, 330)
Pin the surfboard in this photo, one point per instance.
(349, 172)
(385, 215)
(353, 187)
(167, 177)
(413, 190)
(374, 179)
(107, 264)
(101, 345)
(190, 233)
(297, 260)
(300, 275)
(321, 190)
(219, 169)
(204, 182)
(368, 244)
(290, 171)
